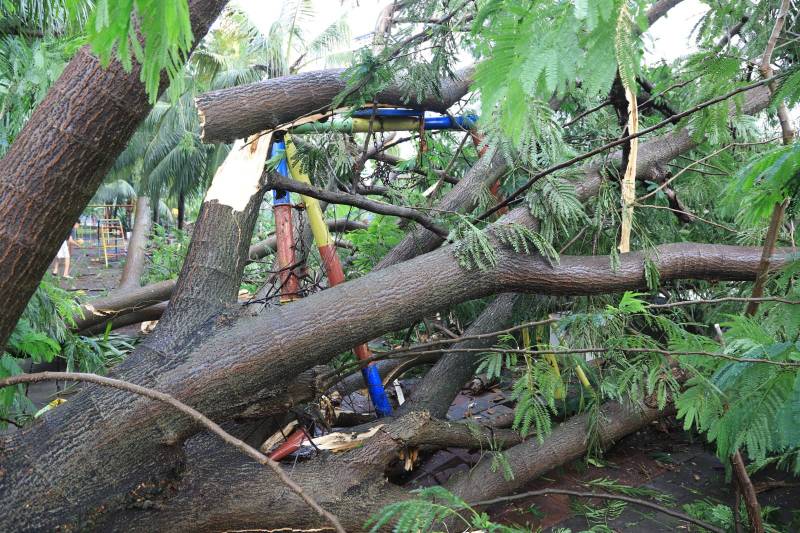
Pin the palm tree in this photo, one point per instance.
(166, 159)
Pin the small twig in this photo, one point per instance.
(603, 496)
(694, 216)
(279, 182)
(725, 299)
(698, 162)
(192, 413)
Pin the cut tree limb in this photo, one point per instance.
(235, 113)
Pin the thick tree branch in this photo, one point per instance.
(193, 414)
(237, 112)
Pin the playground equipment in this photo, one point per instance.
(112, 236)
(284, 232)
(378, 119)
(385, 119)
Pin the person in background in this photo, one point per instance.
(63, 253)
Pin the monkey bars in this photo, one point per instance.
(387, 120)
(381, 119)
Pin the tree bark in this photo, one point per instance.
(152, 312)
(566, 443)
(57, 162)
(181, 209)
(137, 246)
(117, 304)
(222, 366)
(235, 113)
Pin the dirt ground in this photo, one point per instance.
(661, 457)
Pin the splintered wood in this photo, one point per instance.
(629, 180)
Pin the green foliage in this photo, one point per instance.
(167, 35)
(722, 515)
(554, 202)
(473, 249)
(535, 394)
(167, 250)
(524, 240)
(42, 334)
(535, 50)
(373, 242)
(768, 179)
(492, 363)
(429, 510)
(27, 70)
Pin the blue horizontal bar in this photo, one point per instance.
(280, 197)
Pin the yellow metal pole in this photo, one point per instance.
(549, 357)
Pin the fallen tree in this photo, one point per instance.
(256, 370)
(55, 165)
(238, 112)
(104, 461)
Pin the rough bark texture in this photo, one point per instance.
(210, 277)
(567, 442)
(235, 113)
(135, 259)
(57, 162)
(99, 445)
(120, 303)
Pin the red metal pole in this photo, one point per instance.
(284, 235)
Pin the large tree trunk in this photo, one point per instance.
(221, 367)
(58, 160)
(137, 246)
(222, 490)
(234, 113)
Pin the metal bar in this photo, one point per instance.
(284, 233)
(383, 122)
(335, 273)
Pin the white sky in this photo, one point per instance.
(669, 38)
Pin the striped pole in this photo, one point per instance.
(284, 233)
(335, 273)
(386, 120)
